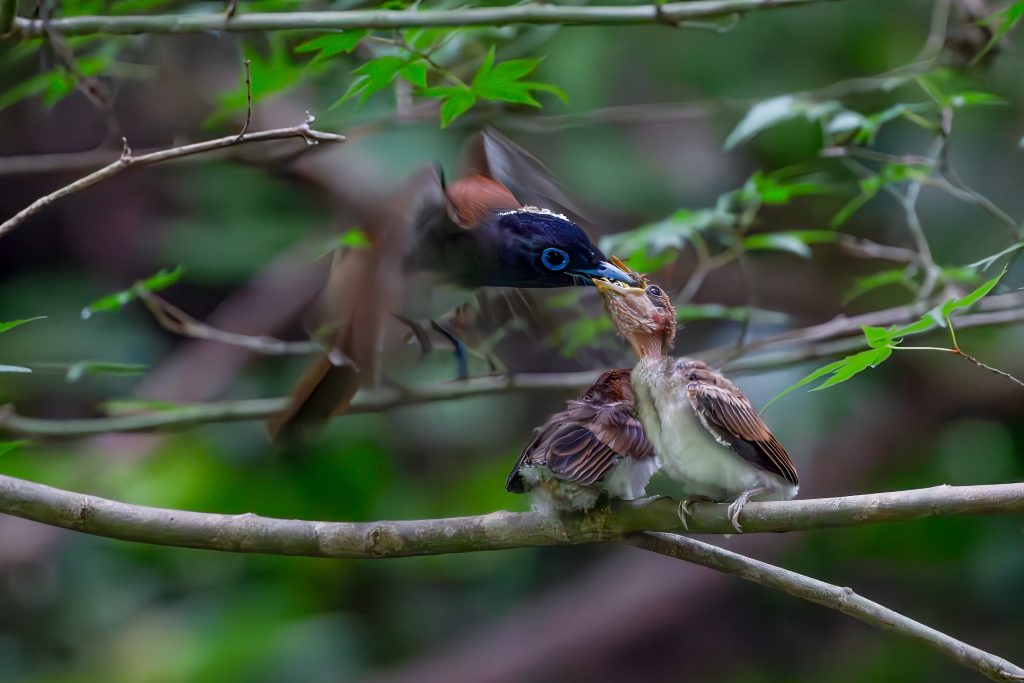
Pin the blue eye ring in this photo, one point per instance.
(554, 259)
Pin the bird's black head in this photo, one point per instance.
(533, 247)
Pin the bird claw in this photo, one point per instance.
(736, 507)
(684, 508)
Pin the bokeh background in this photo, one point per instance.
(641, 137)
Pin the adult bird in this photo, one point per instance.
(500, 224)
(710, 439)
(595, 447)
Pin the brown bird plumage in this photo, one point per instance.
(596, 445)
(710, 439)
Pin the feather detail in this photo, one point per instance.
(732, 420)
(471, 199)
(588, 441)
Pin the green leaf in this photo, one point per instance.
(973, 97)
(838, 372)
(353, 238)
(771, 112)
(794, 241)
(970, 299)
(644, 245)
(777, 188)
(502, 81)
(373, 76)
(1006, 18)
(333, 44)
(14, 368)
(117, 301)
(457, 101)
(4, 327)
(875, 281)
(877, 337)
(99, 367)
(416, 73)
(889, 174)
(35, 85)
(8, 446)
(854, 365)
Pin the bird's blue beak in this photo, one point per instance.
(609, 271)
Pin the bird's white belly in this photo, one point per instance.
(690, 454)
(628, 477)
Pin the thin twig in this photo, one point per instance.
(248, 87)
(473, 16)
(304, 131)
(250, 533)
(835, 597)
(178, 321)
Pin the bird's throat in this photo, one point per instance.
(647, 346)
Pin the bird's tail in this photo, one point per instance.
(324, 390)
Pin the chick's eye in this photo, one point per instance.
(554, 259)
(654, 291)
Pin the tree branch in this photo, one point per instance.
(813, 342)
(836, 597)
(672, 12)
(127, 160)
(250, 533)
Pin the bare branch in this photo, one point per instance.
(333, 20)
(304, 131)
(250, 533)
(178, 321)
(835, 337)
(836, 597)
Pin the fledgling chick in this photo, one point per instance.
(595, 446)
(710, 439)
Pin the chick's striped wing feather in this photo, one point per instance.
(731, 414)
(584, 451)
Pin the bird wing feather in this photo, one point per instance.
(724, 410)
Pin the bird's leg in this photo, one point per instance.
(684, 508)
(736, 507)
(461, 364)
(420, 334)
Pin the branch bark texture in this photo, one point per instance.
(838, 598)
(249, 533)
(671, 13)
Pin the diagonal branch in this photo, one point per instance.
(250, 533)
(829, 595)
(670, 13)
(128, 160)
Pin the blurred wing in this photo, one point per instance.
(532, 183)
(362, 292)
(730, 415)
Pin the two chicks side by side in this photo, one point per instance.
(674, 415)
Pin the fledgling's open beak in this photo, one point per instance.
(613, 271)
